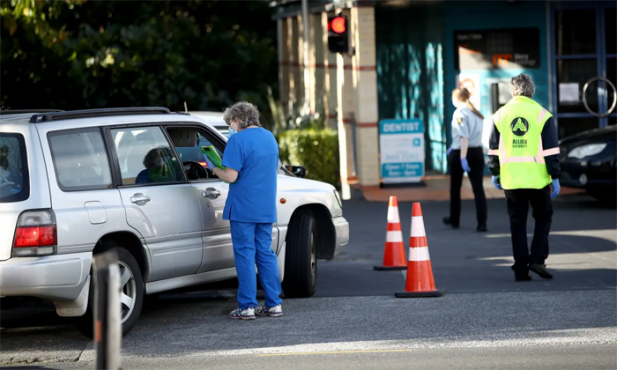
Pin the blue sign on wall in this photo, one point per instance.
(402, 150)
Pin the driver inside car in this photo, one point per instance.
(157, 169)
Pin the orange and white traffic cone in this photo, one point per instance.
(420, 281)
(394, 255)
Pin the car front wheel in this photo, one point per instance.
(301, 256)
(131, 295)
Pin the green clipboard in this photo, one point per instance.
(213, 155)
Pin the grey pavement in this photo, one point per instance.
(485, 320)
(571, 357)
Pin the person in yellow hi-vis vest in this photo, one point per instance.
(524, 161)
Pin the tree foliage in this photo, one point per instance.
(76, 54)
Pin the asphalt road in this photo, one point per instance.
(485, 320)
(582, 250)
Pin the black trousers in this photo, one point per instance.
(518, 207)
(475, 158)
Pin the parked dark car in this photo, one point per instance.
(588, 161)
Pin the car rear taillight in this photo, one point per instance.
(36, 234)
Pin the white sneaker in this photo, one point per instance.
(262, 310)
(240, 314)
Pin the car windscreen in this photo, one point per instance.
(14, 181)
(225, 131)
(195, 154)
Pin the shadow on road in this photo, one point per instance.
(181, 327)
(472, 267)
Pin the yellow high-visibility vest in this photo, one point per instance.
(521, 154)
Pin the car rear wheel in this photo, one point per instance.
(300, 256)
(131, 296)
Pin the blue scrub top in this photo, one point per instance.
(254, 153)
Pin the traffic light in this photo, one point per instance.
(338, 37)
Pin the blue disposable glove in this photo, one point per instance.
(496, 183)
(556, 188)
(209, 162)
(465, 165)
(449, 151)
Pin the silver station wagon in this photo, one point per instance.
(77, 183)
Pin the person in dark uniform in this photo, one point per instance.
(466, 155)
(524, 161)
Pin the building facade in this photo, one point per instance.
(406, 57)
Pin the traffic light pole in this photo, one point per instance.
(307, 74)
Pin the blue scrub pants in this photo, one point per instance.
(252, 244)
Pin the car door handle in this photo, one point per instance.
(140, 198)
(211, 193)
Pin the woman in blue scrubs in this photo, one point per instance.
(251, 166)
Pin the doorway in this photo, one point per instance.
(584, 59)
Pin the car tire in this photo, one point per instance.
(300, 256)
(133, 289)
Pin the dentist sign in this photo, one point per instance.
(402, 150)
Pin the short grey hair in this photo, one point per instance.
(245, 113)
(523, 85)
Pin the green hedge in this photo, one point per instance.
(315, 149)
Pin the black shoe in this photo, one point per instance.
(541, 271)
(523, 278)
(521, 275)
(481, 227)
(448, 221)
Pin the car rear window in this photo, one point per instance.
(14, 181)
(80, 160)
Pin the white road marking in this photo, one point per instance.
(550, 338)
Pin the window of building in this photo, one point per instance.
(575, 31)
(610, 24)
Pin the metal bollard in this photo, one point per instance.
(107, 317)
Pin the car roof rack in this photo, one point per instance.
(24, 111)
(103, 112)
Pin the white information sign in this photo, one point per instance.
(569, 93)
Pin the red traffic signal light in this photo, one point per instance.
(338, 25)
(338, 34)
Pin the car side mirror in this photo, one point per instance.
(298, 171)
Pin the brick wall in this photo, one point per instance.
(365, 81)
(343, 87)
